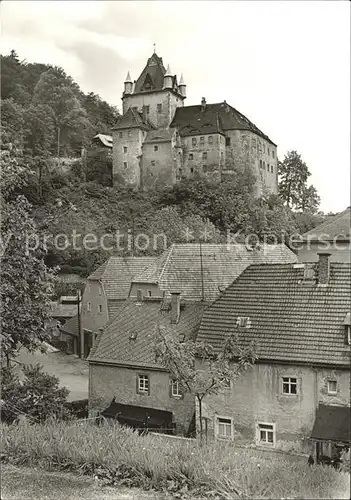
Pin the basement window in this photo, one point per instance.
(224, 428)
(332, 387)
(266, 434)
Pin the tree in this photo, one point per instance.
(293, 189)
(39, 396)
(26, 282)
(199, 369)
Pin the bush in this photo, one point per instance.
(38, 397)
(181, 467)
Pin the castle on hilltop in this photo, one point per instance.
(158, 141)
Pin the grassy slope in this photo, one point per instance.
(116, 454)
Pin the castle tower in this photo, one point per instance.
(182, 86)
(155, 93)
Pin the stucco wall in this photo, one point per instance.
(132, 139)
(198, 166)
(257, 397)
(107, 382)
(167, 99)
(94, 294)
(309, 250)
(158, 167)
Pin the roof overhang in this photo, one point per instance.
(332, 423)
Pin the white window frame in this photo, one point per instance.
(175, 389)
(259, 429)
(143, 384)
(287, 379)
(228, 423)
(329, 382)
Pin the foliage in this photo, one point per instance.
(293, 189)
(118, 455)
(38, 396)
(99, 166)
(199, 368)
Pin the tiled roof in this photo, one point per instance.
(132, 119)
(338, 226)
(292, 321)
(114, 307)
(114, 344)
(219, 117)
(63, 310)
(105, 139)
(117, 273)
(178, 269)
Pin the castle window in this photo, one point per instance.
(125, 165)
(204, 155)
(194, 141)
(227, 141)
(155, 148)
(147, 109)
(222, 155)
(191, 156)
(129, 133)
(88, 306)
(264, 165)
(272, 169)
(125, 149)
(100, 308)
(273, 153)
(153, 163)
(265, 434)
(210, 139)
(260, 163)
(264, 148)
(332, 387)
(192, 170)
(268, 151)
(202, 140)
(159, 108)
(254, 142)
(120, 135)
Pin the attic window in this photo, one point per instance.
(309, 272)
(133, 336)
(243, 322)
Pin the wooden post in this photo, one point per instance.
(80, 329)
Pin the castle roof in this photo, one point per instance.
(159, 135)
(152, 74)
(212, 118)
(132, 119)
(292, 321)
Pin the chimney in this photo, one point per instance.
(323, 267)
(175, 307)
(203, 104)
(139, 295)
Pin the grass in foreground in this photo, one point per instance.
(120, 456)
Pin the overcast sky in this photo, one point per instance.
(285, 65)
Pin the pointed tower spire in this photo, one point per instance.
(128, 84)
(128, 78)
(168, 79)
(182, 86)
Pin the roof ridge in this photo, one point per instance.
(166, 262)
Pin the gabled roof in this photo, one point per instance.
(214, 118)
(179, 268)
(153, 72)
(117, 274)
(159, 135)
(132, 119)
(335, 227)
(292, 321)
(62, 310)
(114, 344)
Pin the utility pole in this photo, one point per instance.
(202, 274)
(80, 329)
(58, 145)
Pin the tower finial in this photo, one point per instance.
(154, 48)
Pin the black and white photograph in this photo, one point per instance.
(175, 256)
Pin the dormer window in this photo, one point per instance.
(309, 272)
(243, 322)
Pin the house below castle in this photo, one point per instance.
(158, 141)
